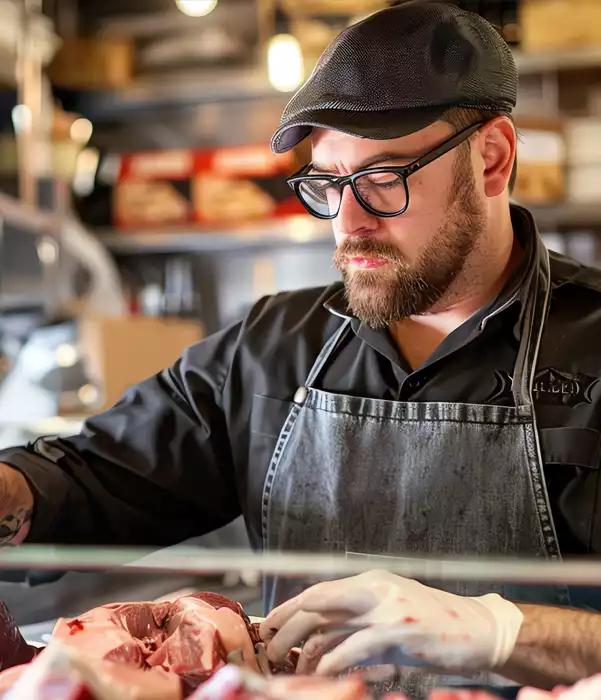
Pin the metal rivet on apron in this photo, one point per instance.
(300, 395)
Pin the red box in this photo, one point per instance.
(225, 186)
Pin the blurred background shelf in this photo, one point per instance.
(302, 232)
(567, 216)
(294, 232)
(551, 61)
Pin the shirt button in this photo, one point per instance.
(300, 395)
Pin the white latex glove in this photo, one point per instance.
(449, 632)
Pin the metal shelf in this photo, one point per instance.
(251, 83)
(300, 230)
(303, 230)
(551, 61)
(567, 216)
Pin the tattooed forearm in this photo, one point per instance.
(16, 506)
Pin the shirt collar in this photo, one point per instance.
(517, 288)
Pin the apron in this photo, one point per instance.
(361, 476)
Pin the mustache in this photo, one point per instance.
(366, 247)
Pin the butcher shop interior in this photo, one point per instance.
(142, 210)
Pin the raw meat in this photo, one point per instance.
(168, 648)
(14, 650)
(53, 675)
(461, 694)
(588, 689)
(9, 677)
(235, 683)
(191, 636)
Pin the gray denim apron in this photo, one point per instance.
(362, 476)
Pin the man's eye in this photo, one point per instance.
(319, 189)
(386, 179)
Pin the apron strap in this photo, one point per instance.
(330, 346)
(533, 324)
(535, 316)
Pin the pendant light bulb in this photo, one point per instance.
(196, 8)
(285, 62)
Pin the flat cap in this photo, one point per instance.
(398, 71)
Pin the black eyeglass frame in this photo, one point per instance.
(402, 171)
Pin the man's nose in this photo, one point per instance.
(352, 219)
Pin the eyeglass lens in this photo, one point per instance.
(383, 192)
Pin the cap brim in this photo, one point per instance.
(389, 124)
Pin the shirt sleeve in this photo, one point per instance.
(153, 470)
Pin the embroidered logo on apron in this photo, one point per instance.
(551, 387)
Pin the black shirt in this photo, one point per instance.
(186, 451)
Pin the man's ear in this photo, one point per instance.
(498, 144)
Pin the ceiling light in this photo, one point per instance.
(47, 250)
(21, 118)
(285, 62)
(66, 355)
(196, 8)
(81, 130)
(86, 167)
(88, 394)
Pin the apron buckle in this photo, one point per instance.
(300, 395)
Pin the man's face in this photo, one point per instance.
(398, 267)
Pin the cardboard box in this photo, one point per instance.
(222, 186)
(120, 352)
(539, 183)
(93, 63)
(583, 178)
(541, 161)
(584, 184)
(548, 25)
(583, 141)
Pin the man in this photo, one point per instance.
(443, 401)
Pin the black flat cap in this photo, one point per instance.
(398, 71)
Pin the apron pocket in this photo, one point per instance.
(571, 458)
(578, 447)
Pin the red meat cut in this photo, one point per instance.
(461, 694)
(587, 689)
(235, 683)
(191, 636)
(186, 640)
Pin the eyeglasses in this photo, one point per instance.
(381, 191)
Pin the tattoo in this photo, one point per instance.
(16, 506)
(11, 525)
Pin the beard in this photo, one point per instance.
(401, 289)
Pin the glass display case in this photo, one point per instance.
(184, 622)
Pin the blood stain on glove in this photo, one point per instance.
(75, 626)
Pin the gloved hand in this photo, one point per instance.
(449, 632)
